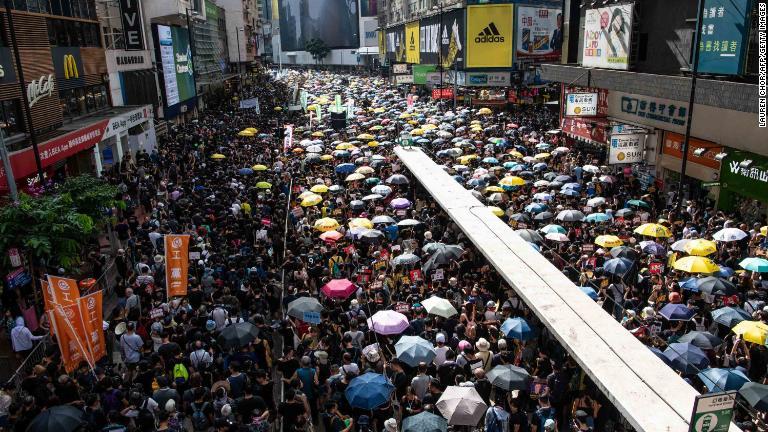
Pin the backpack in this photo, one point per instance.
(496, 425)
(145, 420)
(199, 419)
(180, 373)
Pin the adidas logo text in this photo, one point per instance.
(490, 34)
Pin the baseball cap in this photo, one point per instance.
(440, 338)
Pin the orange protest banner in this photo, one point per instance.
(65, 291)
(176, 264)
(48, 302)
(69, 331)
(91, 312)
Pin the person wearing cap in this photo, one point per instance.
(544, 418)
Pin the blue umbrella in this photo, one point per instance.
(345, 168)
(551, 228)
(517, 167)
(535, 247)
(490, 160)
(425, 421)
(570, 192)
(541, 166)
(597, 217)
(369, 391)
(758, 265)
(660, 355)
(413, 350)
(689, 284)
(589, 291)
(676, 312)
(563, 178)
(574, 186)
(653, 248)
(724, 272)
(730, 316)
(509, 165)
(535, 208)
(458, 178)
(476, 182)
(718, 380)
(617, 266)
(245, 171)
(687, 358)
(517, 328)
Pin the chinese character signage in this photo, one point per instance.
(581, 104)
(539, 33)
(723, 39)
(91, 312)
(583, 101)
(176, 264)
(660, 110)
(626, 149)
(673, 146)
(712, 412)
(607, 33)
(745, 173)
(588, 129)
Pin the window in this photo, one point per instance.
(10, 117)
(65, 33)
(83, 100)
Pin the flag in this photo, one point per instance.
(69, 330)
(48, 302)
(176, 264)
(350, 108)
(64, 291)
(92, 315)
(288, 139)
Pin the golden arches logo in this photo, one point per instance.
(70, 67)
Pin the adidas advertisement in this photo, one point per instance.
(442, 44)
(489, 35)
(394, 41)
(412, 42)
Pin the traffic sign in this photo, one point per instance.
(712, 412)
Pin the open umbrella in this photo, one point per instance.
(608, 241)
(653, 230)
(408, 223)
(399, 203)
(339, 288)
(326, 224)
(715, 286)
(529, 235)
(558, 237)
(383, 219)
(756, 395)
(597, 217)
(298, 307)
(696, 264)
(237, 335)
(548, 229)
(687, 358)
(406, 259)
(570, 216)
(60, 418)
(413, 350)
(700, 247)
(752, 331)
(676, 312)
(397, 179)
(388, 322)
(758, 265)
(730, 316)
(331, 236)
(509, 377)
(245, 171)
(590, 292)
(439, 306)
(729, 235)
(702, 339)
(424, 421)
(618, 266)
(461, 406)
(625, 252)
(517, 328)
(369, 391)
(719, 380)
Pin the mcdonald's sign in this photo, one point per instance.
(70, 67)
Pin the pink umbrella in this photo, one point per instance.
(388, 322)
(330, 236)
(339, 288)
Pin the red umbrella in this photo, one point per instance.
(339, 288)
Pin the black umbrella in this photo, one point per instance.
(442, 254)
(61, 418)
(543, 215)
(529, 235)
(702, 339)
(716, 286)
(624, 212)
(509, 377)
(756, 395)
(625, 252)
(520, 217)
(237, 335)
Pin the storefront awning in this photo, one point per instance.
(368, 51)
(589, 129)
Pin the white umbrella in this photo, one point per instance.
(383, 219)
(729, 235)
(439, 306)
(591, 168)
(680, 245)
(541, 183)
(558, 237)
(461, 406)
(596, 201)
(371, 197)
(315, 149)
(408, 222)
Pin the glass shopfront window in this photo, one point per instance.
(83, 100)
(69, 8)
(67, 33)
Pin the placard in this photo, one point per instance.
(588, 247)
(656, 268)
(438, 275)
(312, 317)
(416, 275)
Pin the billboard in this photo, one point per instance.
(723, 41)
(68, 66)
(607, 33)
(443, 43)
(370, 32)
(539, 33)
(412, 42)
(489, 40)
(369, 8)
(581, 104)
(626, 149)
(335, 22)
(133, 35)
(395, 37)
(175, 54)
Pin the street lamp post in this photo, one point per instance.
(439, 7)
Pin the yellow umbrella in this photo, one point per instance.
(263, 185)
(413, 122)
(259, 167)
(365, 170)
(326, 224)
(251, 130)
(475, 122)
(326, 157)
(278, 108)
(492, 189)
(318, 134)
(653, 230)
(485, 111)
(696, 264)
(361, 223)
(311, 200)
(311, 107)
(764, 230)
(365, 136)
(417, 132)
(343, 146)
(700, 247)
(496, 211)
(512, 181)
(305, 194)
(752, 331)
(429, 126)
(516, 154)
(376, 128)
(218, 156)
(542, 156)
(378, 110)
(373, 143)
(354, 177)
(405, 115)
(246, 133)
(608, 241)
(466, 158)
(319, 188)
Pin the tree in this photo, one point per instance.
(91, 196)
(318, 49)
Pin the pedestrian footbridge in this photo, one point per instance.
(649, 394)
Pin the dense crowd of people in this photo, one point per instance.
(321, 266)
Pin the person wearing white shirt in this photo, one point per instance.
(22, 338)
(220, 315)
(440, 350)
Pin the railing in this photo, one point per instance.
(34, 357)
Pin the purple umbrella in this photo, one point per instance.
(400, 203)
(653, 248)
(388, 322)
(676, 312)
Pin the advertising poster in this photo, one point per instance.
(176, 264)
(489, 36)
(395, 44)
(539, 33)
(607, 33)
(335, 22)
(369, 8)
(442, 43)
(581, 104)
(412, 42)
(175, 54)
(429, 40)
(626, 149)
(723, 41)
(420, 73)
